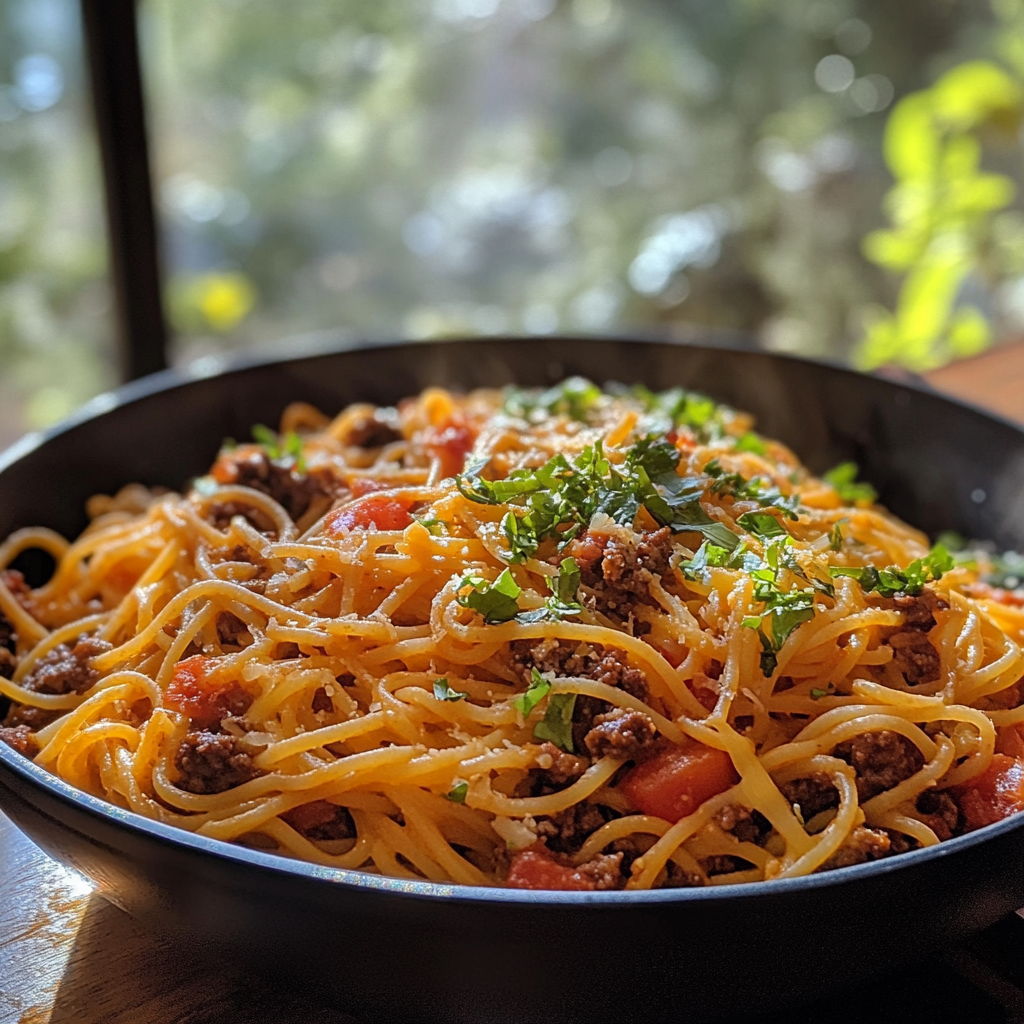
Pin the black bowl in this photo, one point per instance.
(404, 950)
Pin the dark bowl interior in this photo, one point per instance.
(417, 951)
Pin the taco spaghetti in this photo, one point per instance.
(572, 639)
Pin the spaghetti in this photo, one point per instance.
(572, 639)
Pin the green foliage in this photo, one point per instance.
(946, 230)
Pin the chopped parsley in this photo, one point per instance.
(575, 397)
(558, 500)
(535, 693)
(711, 556)
(817, 693)
(784, 610)
(443, 691)
(566, 581)
(496, 602)
(894, 580)
(843, 478)
(758, 489)
(751, 442)
(678, 407)
(457, 794)
(835, 536)
(284, 448)
(562, 602)
(764, 524)
(434, 526)
(556, 725)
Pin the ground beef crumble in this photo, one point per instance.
(620, 578)
(588, 661)
(251, 466)
(881, 760)
(604, 871)
(567, 831)
(913, 653)
(812, 794)
(21, 738)
(562, 770)
(621, 733)
(65, 669)
(862, 845)
(321, 821)
(321, 700)
(374, 430)
(212, 763)
(940, 813)
(746, 825)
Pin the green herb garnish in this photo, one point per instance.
(457, 794)
(575, 397)
(751, 442)
(434, 526)
(835, 536)
(283, 448)
(558, 500)
(758, 489)
(894, 580)
(764, 524)
(443, 691)
(678, 407)
(1007, 571)
(843, 478)
(496, 601)
(784, 609)
(535, 693)
(556, 725)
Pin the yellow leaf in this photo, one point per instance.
(969, 333)
(911, 140)
(975, 92)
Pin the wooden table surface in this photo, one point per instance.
(69, 957)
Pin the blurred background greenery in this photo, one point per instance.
(838, 177)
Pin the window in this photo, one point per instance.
(55, 320)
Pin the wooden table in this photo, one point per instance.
(69, 957)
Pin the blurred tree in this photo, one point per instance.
(952, 233)
(499, 165)
(54, 305)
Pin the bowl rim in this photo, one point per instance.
(211, 367)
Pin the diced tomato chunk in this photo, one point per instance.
(370, 513)
(674, 783)
(533, 868)
(450, 444)
(206, 703)
(995, 794)
(1010, 740)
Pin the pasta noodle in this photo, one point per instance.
(572, 639)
